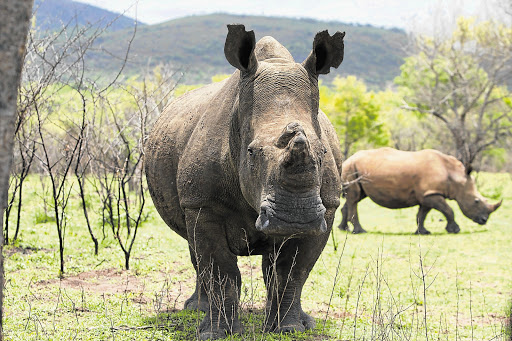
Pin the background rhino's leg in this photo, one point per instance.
(354, 195)
(285, 270)
(344, 218)
(439, 203)
(354, 218)
(199, 299)
(420, 219)
(218, 273)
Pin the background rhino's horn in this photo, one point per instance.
(496, 205)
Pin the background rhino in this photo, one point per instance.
(250, 165)
(399, 179)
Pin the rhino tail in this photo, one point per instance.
(354, 178)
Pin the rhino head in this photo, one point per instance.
(276, 139)
(473, 204)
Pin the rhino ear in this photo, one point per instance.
(327, 52)
(239, 48)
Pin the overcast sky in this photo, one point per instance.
(387, 13)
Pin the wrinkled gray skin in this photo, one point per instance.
(398, 179)
(247, 166)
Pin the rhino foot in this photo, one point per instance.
(193, 303)
(291, 325)
(359, 230)
(453, 228)
(422, 231)
(343, 226)
(214, 331)
(307, 321)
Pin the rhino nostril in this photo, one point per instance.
(263, 221)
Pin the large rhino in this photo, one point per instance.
(251, 166)
(399, 179)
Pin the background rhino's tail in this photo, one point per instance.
(344, 187)
(351, 179)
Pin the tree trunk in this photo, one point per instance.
(14, 16)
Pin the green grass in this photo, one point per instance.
(377, 294)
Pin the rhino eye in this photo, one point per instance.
(477, 200)
(250, 151)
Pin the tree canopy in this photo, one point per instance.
(461, 80)
(354, 113)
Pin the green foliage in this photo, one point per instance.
(460, 81)
(221, 77)
(354, 113)
(496, 157)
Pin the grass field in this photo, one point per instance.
(390, 284)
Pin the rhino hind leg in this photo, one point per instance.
(344, 218)
(199, 299)
(420, 219)
(219, 278)
(349, 210)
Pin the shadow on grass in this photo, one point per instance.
(182, 325)
(440, 233)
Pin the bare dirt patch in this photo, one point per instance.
(11, 250)
(111, 281)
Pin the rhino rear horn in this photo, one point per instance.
(327, 52)
(239, 48)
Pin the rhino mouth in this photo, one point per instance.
(482, 220)
(286, 214)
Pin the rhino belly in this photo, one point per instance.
(390, 197)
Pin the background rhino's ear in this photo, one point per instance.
(327, 52)
(468, 169)
(239, 48)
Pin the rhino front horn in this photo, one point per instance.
(496, 205)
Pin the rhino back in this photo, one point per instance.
(397, 179)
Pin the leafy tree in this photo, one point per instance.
(354, 113)
(460, 80)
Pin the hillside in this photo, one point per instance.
(195, 44)
(53, 14)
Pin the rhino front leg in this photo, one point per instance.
(285, 270)
(218, 275)
(439, 203)
(199, 299)
(420, 219)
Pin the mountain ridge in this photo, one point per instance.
(53, 14)
(195, 44)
